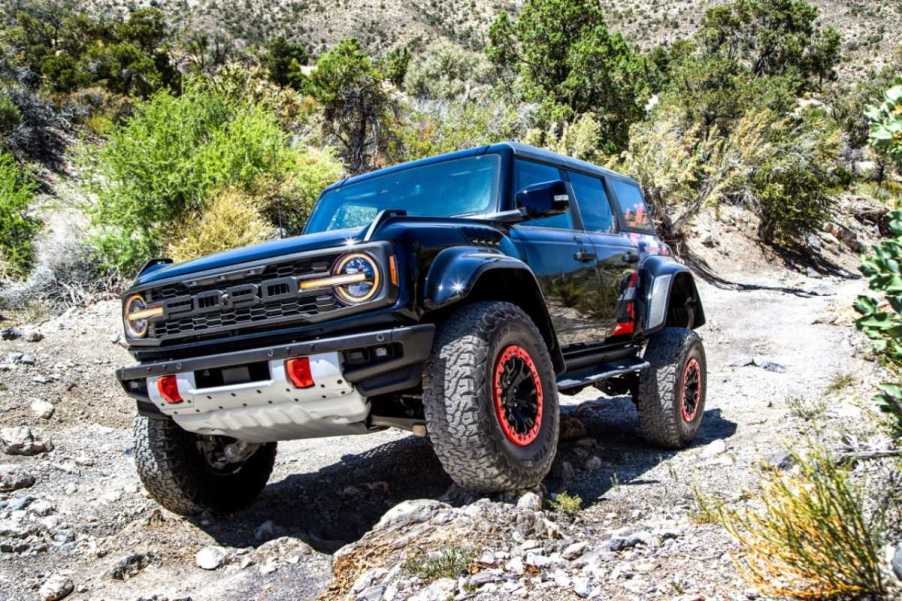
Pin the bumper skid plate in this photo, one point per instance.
(270, 409)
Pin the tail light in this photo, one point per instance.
(168, 387)
(626, 307)
(298, 371)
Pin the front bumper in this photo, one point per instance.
(347, 370)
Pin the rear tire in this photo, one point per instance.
(671, 393)
(490, 399)
(178, 476)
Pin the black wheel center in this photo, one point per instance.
(692, 387)
(519, 395)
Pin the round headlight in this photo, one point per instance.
(135, 328)
(363, 270)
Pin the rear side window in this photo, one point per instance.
(527, 173)
(592, 201)
(633, 209)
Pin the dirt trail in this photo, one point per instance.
(766, 350)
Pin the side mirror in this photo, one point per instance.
(544, 199)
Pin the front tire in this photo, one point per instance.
(179, 475)
(490, 399)
(671, 393)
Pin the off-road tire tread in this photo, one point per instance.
(463, 437)
(666, 352)
(173, 475)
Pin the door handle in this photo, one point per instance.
(585, 256)
(630, 257)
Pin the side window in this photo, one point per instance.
(592, 202)
(629, 197)
(527, 173)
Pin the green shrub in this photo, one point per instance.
(886, 125)
(161, 164)
(17, 228)
(571, 64)
(231, 219)
(566, 503)
(357, 110)
(10, 116)
(445, 71)
(71, 49)
(458, 124)
(881, 313)
(284, 60)
(288, 201)
(395, 64)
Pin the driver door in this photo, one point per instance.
(563, 259)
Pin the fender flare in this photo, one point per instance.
(456, 272)
(661, 278)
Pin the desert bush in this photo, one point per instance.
(17, 227)
(161, 164)
(578, 139)
(10, 116)
(571, 64)
(446, 126)
(805, 534)
(395, 64)
(288, 200)
(71, 49)
(779, 167)
(240, 84)
(445, 71)
(772, 37)
(230, 219)
(283, 61)
(792, 186)
(357, 109)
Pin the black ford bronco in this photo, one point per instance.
(455, 297)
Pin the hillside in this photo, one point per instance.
(867, 26)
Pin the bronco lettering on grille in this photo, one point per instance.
(244, 295)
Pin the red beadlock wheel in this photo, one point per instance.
(692, 390)
(517, 394)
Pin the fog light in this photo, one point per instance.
(168, 387)
(298, 371)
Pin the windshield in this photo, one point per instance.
(455, 187)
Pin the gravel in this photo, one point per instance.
(338, 507)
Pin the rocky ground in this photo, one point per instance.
(374, 517)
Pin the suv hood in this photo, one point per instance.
(265, 250)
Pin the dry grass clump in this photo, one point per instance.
(807, 536)
(448, 563)
(231, 220)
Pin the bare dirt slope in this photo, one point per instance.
(87, 519)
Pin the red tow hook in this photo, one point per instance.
(168, 387)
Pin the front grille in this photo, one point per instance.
(198, 309)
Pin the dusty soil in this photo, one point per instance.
(768, 351)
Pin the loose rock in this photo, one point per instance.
(21, 441)
(55, 588)
(131, 565)
(42, 408)
(714, 449)
(530, 501)
(14, 477)
(210, 558)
